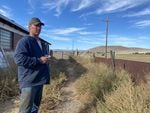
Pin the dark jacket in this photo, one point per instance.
(30, 71)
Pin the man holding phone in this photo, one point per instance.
(32, 58)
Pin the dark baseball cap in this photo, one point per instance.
(35, 21)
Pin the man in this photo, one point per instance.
(31, 56)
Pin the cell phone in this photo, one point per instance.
(49, 56)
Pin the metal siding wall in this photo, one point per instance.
(16, 38)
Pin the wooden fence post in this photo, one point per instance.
(112, 54)
(62, 54)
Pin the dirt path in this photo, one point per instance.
(70, 103)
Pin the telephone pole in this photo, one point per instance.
(73, 47)
(107, 21)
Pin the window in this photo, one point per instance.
(5, 39)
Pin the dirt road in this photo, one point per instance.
(70, 103)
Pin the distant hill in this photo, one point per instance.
(119, 49)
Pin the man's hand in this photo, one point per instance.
(44, 59)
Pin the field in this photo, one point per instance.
(79, 85)
(129, 56)
(134, 57)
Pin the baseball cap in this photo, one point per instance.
(35, 21)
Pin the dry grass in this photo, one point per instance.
(127, 99)
(98, 81)
(8, 81)
(113, 92)
(51, 94)
(99, 87)
(123, 55)
(9, 87)
(134, 57)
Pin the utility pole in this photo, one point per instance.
(73, 47)
(107, 21)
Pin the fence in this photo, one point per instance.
(3, 59)
(137, 69)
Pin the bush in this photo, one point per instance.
(113, 92)
(148, 53)
(8, 81)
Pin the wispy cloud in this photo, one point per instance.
(82, 4)
(55, 37)
(144, 37)
(118, 5)
(60, 38)
(67, 34)
(140, 13)
(128, 41)
(90, 40)
(5, 10)
(32, 5)
(124, 41)
(143, 23)
(57, 5)
(91, 33)
(66, 31)
(102, 6)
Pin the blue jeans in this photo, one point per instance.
(30, 99)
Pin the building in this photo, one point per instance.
(10, 33)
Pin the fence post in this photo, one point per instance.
(124, 65)
(77, 52)
(62, 54)
(112, 54)
(94, 55)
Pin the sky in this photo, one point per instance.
(81, 24)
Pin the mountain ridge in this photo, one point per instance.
(119, 49)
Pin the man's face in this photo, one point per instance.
(35, 29)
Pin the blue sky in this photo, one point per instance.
(81, 24)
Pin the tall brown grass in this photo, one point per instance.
(126, 99)
(8, 81)
(111, 92)
(52, 94)
(99, 87)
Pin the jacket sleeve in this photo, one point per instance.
(22, 55)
